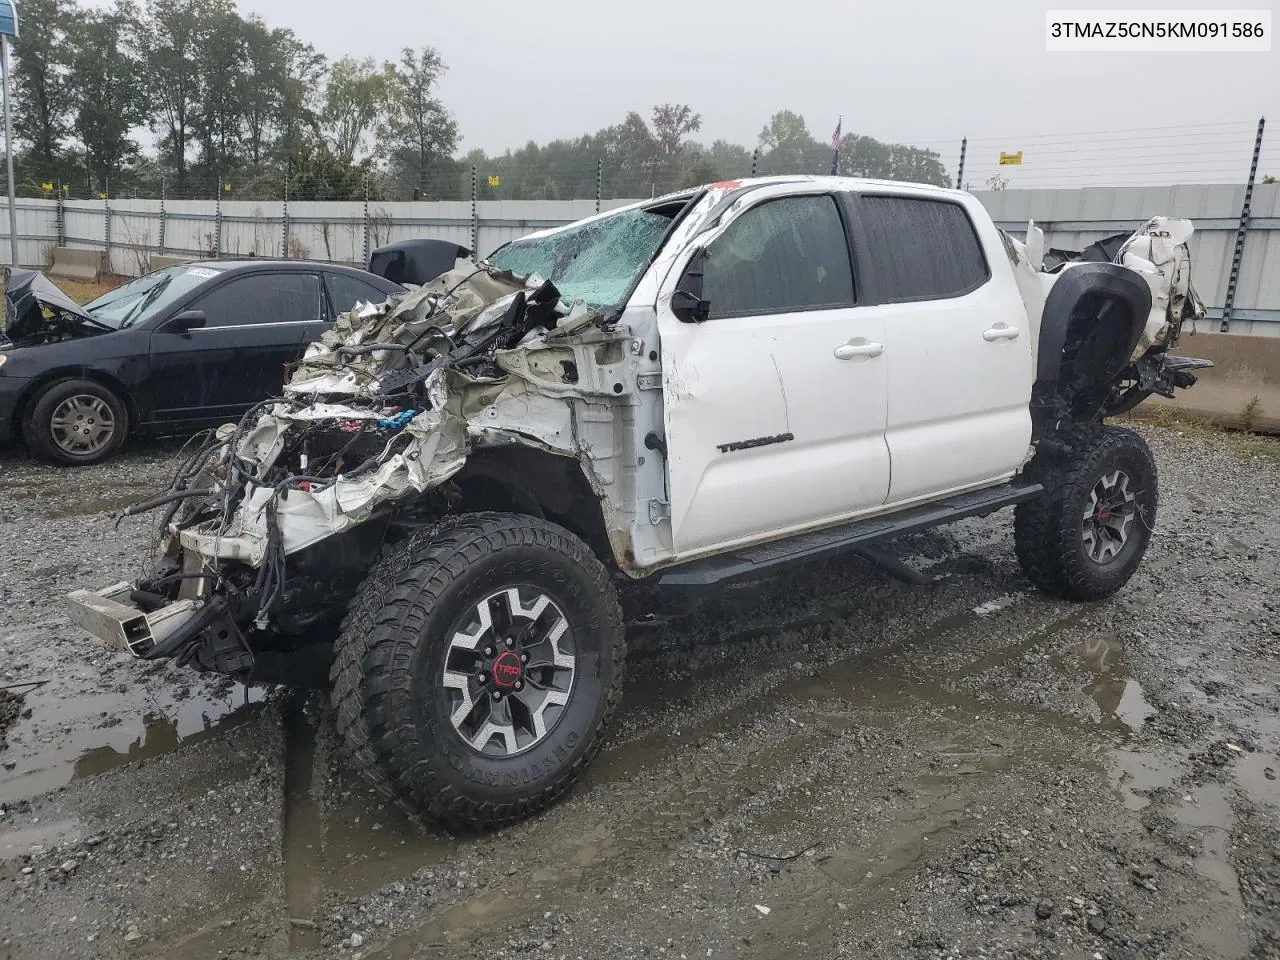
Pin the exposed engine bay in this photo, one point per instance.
(39, 313)
(378, 409)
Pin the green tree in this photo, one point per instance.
(300, 100)
(219, 120)
(786, 146)
(171, 39)
(106, 80)
(354, 99)
(418, 135)
(268, 54)
(320, 174)
(42, 89)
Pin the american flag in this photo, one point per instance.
(835, 147)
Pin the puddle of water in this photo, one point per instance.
(1119, 697)
(1136, 775)
(82, 747)
(1257, 774)
(90, 506)
(348, 846)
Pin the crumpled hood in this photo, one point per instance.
(346, 360)
(33, 303)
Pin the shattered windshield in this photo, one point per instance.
(140, 299)
(596, 262)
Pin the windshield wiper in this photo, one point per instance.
(146, 300)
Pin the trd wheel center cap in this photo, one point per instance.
(507, 670)
(1104, 514)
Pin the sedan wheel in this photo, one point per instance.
(82, 425)
(75, 422)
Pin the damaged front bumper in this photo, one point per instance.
(181, 629)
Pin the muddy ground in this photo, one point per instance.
(838, 765)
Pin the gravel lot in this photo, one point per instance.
(838, 765)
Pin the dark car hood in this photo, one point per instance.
(29, 296)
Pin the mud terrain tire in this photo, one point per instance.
(399, 650)
(1059, 538)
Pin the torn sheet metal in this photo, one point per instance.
(336, 448)
(1158, 251)
(429, 449)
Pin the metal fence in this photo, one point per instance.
(1236, 250)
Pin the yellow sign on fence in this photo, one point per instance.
(495, 181)
(47, 187)
(1011, 159)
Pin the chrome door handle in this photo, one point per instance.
(859, 347)
(1001, 331)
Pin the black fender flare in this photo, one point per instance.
(1092, 321)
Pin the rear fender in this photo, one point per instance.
(1092, 321)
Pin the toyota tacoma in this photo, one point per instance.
(683, 392)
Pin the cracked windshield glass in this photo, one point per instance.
(595, 262)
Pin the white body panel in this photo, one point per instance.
(746, 378)
(960, 372)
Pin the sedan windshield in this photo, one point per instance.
(143, 298)
(596, 262)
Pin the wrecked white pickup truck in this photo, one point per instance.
(683, 392)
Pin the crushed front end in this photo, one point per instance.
(271, 523)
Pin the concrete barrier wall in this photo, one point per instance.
(1241, 390)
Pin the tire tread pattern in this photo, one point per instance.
(373, 663)
(1047, 530)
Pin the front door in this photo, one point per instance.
(775, 405)
(255, 324)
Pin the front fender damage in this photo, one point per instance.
(381, 415)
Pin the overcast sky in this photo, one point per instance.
(918, 71)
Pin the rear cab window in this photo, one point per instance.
(919, 248)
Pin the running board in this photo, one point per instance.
(823, 544)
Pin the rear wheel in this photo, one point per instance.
(76, 423)
(488, 673)
(1085, 537)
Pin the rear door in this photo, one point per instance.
(255, 324)
(957, 349)
(775, 405)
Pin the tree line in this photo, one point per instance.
(236, 107)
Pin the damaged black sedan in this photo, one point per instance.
(166, 353)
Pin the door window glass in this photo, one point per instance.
(784, 255)
(920, 249)
(263, 298)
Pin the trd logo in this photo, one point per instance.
(507, 669)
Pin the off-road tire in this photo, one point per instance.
(37, 422)
(354, 637)
(390, 710)
(1048, 531)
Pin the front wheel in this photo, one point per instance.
(479, 667)
(1085, 537)
(76, 423)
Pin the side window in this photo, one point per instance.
(346, 291)
(784, 255)
(263, 298)
(920, 249)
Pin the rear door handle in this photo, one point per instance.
(858, 348)
(1001, 331)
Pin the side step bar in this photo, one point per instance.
(823, 544)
